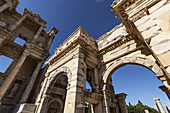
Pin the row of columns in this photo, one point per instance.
(12, 75)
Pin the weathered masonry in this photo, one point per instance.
(143, 39)
(19, 83)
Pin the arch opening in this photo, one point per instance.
(57, 94)
(139, 83)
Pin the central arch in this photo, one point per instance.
(132, 60)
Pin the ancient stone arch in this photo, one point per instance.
(131, 60)
(47, 86)
(59, 104)
(56, 74)
(142, 38)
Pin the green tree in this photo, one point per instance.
(140, 108)
(89, 108)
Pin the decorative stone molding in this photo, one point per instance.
(135, 60)
(91, 97)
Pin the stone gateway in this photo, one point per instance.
(143, 38)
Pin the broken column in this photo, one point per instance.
(121, 101)
(159, 105)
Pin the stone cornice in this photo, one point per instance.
(36, 51)
(79, 37)
(35, 17)
(115, 44)
(134, 8)
(109, 33)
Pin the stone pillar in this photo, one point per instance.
(165, 89)
(159, 105)
(49, 42)
(12, 75)
(37, 33)
(44, 104)
(146, 111)
(43, 97)
(5, 6)
(121, 101)
(13, 27)
(105, 91)
(96, 79)
(41, 91)
(31, 83)
(97, 108)
(74, 102)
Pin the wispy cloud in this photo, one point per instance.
(99, 0)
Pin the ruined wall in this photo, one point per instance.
(17, 81)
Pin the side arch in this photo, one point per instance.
(58, 101)
(57, 73)
(153, 66)
(48, 83)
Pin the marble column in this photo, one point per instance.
(5, 6)
(20, 20)
(43, 97)
(121, 101)
(157, 100)
(165, 89)
(146, 111)
(37, 33)
(105, 91)
(12, 75)
(74, 102)
(44, 104)
(31, 83)
(52, 33)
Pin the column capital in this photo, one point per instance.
(157, 99)
(121, 96)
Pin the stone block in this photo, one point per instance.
(3, 24)
(153, 31)
(168, 69)
(142, 20)
(148, 63)
(161, 48)
(162, 37)
(156, 6)
(146, 25)
(165, 58)
(159, 12)
(140, 60)
(27, 108)
(156, 69)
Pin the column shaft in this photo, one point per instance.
(122, 104)
(13, 27)
(37, 33)
(159, 105)
(5, 6)
(50, 40)
(105, 99)
(31, 83)
(12, 75)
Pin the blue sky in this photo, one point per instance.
(96, 18)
